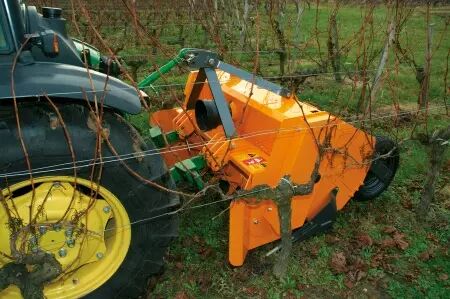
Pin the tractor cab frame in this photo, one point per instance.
(41, 56)
(8, 41)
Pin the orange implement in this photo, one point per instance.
(275, 136)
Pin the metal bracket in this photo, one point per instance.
(209, 74)
(199, 58)
(221, 103)
(207, 61)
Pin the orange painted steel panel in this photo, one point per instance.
(278, 136)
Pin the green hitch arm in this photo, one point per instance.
(164, 69)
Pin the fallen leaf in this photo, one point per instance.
(314, 251)
(398, 235)
(407, 204)
(443, 277)
(377, 260)
(360, 264)
(179, 266)
(205, 252)
(251, 291)
(388, 243)
(289, 295)
(399, 240)
(331, 239)
(364, 240)
(338, 262)
(348, 283)
(360, 275)
(181, 295)
(402, 244)
(424, 256)
(389, 229)
(432, 237)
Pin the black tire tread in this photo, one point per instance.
(373, 187)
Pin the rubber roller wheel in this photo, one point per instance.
(46, 144)
(382, 171)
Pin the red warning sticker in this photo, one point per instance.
(254, 161)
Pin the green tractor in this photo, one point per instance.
(68, 224)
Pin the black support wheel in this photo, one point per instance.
(382, 170)
(99, 224)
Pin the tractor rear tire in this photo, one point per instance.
(373, 186)
(46, 144)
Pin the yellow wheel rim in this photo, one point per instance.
(88, 234)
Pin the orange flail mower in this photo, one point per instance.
(249, 132)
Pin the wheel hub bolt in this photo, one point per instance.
(99, 255)
(70, 243)
(56, 185)
(107, 209)
(62, 252)
(42, 229)
(69, 232)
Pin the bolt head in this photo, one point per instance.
(255, 221)
(56, 185)
(99, 255)
(269, 209)
(211, 61)
(68, 232)
(106, 209)
(62, 252)
(57, 227)
(70, 243)
(42, 229)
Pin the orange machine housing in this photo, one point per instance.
(276, 136)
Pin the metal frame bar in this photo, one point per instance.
(221, 103)
(196, 89)
(275, 88)
(9, 34)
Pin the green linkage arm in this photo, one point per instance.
(164, 69)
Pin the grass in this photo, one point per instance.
(197, 265)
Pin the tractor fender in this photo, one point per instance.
(68, 81)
